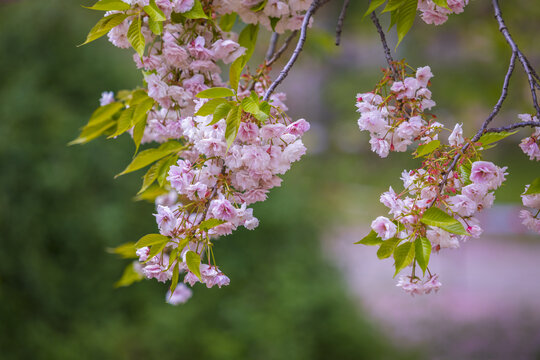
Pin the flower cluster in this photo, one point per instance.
(434, 14)
(529, 145)
(394, 113)
(275, 15)
(531, 220)
(415, 286)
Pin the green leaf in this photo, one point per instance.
(135, 36)
(259, 7)
(387, 248)
(210, 224)
(403, 256)
(250, 106)
(436, 217)
(217, 92)
(226, 22)
(164, 169)
(534, 187)
(235, 71)
(147, 157)
(141, 111)
(156, 250)
(174, 280)
(489, 138)
(155, 26)
(128, 277)
(210, 106)
(248, 39)
(126, 251)
(90, 132)
(151, 193)
(104, 113)
(371, 239)
(465, 173)
(138, 132)
(273, 22)
(394, 5)
(193, 261)
(222, 110)
(151, 239)
(136, 97)
(109, 5)
(405, 20)
(124, 123)
(154, 12)
(426, 149)
(373, 5)
(441, 3)
(150, 176)
(196, 12)
(422, 251)
(233, 123)
(103, 26)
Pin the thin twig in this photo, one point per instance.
(341, 19)
(282, 49)
(272, 46)
(315, 5)
(514, 126)
(387, 53)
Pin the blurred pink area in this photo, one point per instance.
(487, 308)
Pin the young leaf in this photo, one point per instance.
(489, 138)
(193, 261)
(103, 26)
(154, 12)
(147, 157)
(156, 250)
(222, 110)
(174, 279)
(235, 71)
(403, 256)
(217, 92)
(428, 148)
(155, 26)
(259, 7)
(393, 5)
(196, 12)
(128, 277)
(226, 22)
(150, 176)
(109, 5)
(210, 224)
(422, 251)
(135, 36)
(126, 251)
(142, 109)
(373, 5)
(273, 22)
(247, 39)
(151, 193)
(210, 106)
(250, 106)
(104, 113)
(124, 123)
(436, 217)
(407, 14)
(138, 132)
(90, 132)
(441, 3)
(371, 239)
(164, 169)
(534, 188)
(151, 239)
(387, 248)
(233, 123)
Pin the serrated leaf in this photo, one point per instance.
(210, 224)
(136, 97)
(233, 123)
(489, 138)
(174, 279)
(151, 239)
(93, 131)
(135, 36)
(403, 256)
(422, 251)
(534, 187)
(126, 251)
(465, 173)
(196, 12)
(250, 106)
(151, 193)
(221, 112)
(142, 109)
(104, 113)
(226, 22)
(128, 277)
(405, 20)
(147, 157)
(393, 5)
(441, 3)
(387, 248)
(154, 11)
(216, 92)
(109, 5)
(164, 169)
(373, 5)
(155, 26)
(150, 176)
(124, 123)
(248, 39)
(210, 106)
(235, 71)
(436, 217)
(138, 132)
(156, 250)
(428, 148)
(370, 239)
(103, 26)
(193, 261)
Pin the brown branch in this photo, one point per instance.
(341, 19)
(272, 46)
(282, 49)
(387, 53)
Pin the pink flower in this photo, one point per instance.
(272, 131)
(380, 146)
(442, 238)
(174, 54)
(530, 221)
(485, 172)
(107, 97)
(166, 220)
(180, 295)
(384, 228)
(456, 137)
(227, 50)
(298, 128)
(423, 75)
(182, 6)
(462, 205)
(222, 209)
(532, 201)
(530, 147)
(247, 132)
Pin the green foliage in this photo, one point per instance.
(196, 12)
(210, 106)
(109, 5)
(210, 224)
(126, 251)
(151, 239)
(216, 92)
(146, 157)
(135, 36)
(233, 123)
(128, 277)
(490, 138)
(387, 248)
(422, 248)
(226, 21)
(403, 256)
(370, 239)
(402, 14)
(436, 217)
(534, 187)
(426, 149)
(154, 12)
(193, 262)
(103, 26)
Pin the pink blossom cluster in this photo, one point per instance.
(529, 145)
(394, 113)
(530, 219)
(415, 286)
(434, 14)
(275, 15)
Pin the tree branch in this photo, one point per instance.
(387, 53)
(315, 5)
(282, 49)
(515, 126)
(272, 46)
(341, 19)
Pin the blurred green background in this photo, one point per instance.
(60, 207)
